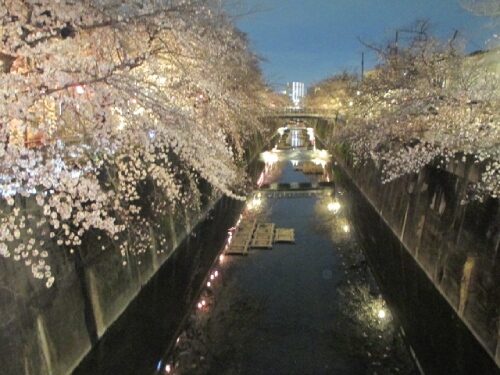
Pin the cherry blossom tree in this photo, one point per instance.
(426, 103)
(111, 113)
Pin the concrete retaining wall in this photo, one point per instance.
(455, 245)
(50, 331)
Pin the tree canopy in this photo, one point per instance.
(99, 98)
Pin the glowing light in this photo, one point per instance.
(295, 163)
(320, 157)
(209, 284)
(203, 302)
(269, 157)
(319, 162)
(168, 368)
(212, 277)
(323, 153)
(334, 207)
(200, 305)
(216, 273)
(381, 314)
(79, 90)
(254, 203)
(346, 228)
(221, 257)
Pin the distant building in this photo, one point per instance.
(296, 91)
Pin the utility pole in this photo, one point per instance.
(362, 66)
(396, 42)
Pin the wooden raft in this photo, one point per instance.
(241, 239)
(263, 236)
(284, 235)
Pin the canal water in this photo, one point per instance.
(308, 307)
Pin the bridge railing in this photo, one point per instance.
(298, 112)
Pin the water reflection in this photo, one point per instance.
(296, 139)
(313, 306)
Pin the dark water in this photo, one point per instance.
(312, 307)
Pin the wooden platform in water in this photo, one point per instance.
(242, 238)
(284, 235)
(258, 236)
(263, 236)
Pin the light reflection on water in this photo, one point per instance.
(314, 305)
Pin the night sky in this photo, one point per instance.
(308, 40)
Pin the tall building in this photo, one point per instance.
(297, 92)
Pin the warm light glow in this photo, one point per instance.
(319, 162)
(209, 284)
(168, 369)
(346, 228)
(334, 207)
(216, 273)
(254, 203)
(323, 154)
(221, 257)
(320, 157)
(203, 302)
(212, 277)
(381, 314)
(200, 305)
(269, 157)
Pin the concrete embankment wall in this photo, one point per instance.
(50, 331)
(455, 248)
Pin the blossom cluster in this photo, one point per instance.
(426, 103)
(111, 113)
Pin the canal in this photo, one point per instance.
(308, 307)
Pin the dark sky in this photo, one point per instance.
(307, 40)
